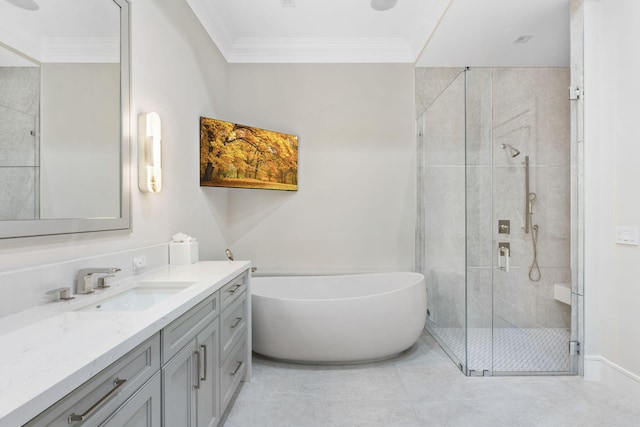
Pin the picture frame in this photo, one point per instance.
(240, 156)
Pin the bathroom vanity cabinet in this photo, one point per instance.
(190, 376)
(200, 380)
(128, 388)
(234, 320)
(184, 375)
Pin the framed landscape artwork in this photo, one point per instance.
(239, 156)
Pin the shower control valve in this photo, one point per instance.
(504, 253)
(504, 226)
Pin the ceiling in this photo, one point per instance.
(429, 33)
(63, 30)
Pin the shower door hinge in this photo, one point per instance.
(575, 93)
(574, 347)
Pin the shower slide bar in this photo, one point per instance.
(527, 220)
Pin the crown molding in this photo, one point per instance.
(66, 49)
(80, 49)
(213, 24)
(298, 50)
(321, 50)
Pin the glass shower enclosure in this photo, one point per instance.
(494, 229)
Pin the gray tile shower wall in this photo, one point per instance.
(531, 111)
(19, 115)
(463, 127)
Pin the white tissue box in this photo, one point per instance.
(181, 253)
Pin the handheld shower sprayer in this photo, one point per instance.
(534, 271)
(532, 197)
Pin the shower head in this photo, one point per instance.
(512, 150)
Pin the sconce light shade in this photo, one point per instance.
(149, 153)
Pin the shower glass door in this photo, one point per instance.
(479, 195)
(531, 188)
(441, 249)
(518, 220)
(495, 222)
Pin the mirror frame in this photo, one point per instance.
(44, 227)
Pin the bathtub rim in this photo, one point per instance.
(359, 297)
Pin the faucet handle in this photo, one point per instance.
(62, 294)
(84, 281)
(102, 284)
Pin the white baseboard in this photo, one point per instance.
(600, 369)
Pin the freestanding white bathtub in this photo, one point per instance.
(337, 319)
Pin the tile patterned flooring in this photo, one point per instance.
(511, 349)
(419, 388)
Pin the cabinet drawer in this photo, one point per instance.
(232, 290)
(232, 371)
(99, 397)
(143, 409)
(233, 324)
(184, 328)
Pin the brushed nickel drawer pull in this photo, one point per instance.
(117, 383)
(204, 351)
(237, 322)
(235, 371)
(235, 288)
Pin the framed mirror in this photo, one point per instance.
(64, 116)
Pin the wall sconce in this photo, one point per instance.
(149, 153)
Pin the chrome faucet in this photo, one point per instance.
(84, 284)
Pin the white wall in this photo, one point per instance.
(612, 174)
(355, 208)
(178, 72)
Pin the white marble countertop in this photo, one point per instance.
(48, 351)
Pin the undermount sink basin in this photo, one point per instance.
(141, 297)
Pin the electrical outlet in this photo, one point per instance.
(139, 262)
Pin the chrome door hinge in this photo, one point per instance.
(575, 93)
(574, 347)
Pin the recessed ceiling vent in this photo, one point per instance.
(288, 3)
(522, 40)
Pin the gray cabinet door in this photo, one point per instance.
(184, 329)
(142, 410)
(178, 378)
(208, 393)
